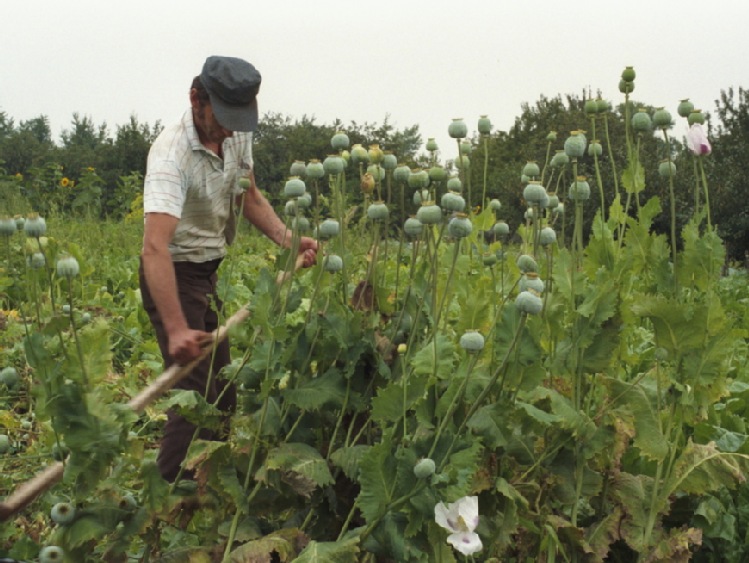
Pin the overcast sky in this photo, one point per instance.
(417, 62)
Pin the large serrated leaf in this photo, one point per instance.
(377, 471)
(301, 459)
(327, 390)
(342, 551)
(648, 438)
(349, 459)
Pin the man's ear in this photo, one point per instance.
(194, 100)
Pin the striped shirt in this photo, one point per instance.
(187, 181)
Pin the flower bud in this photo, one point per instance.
(666, 169)
(595, 149)
(367, 183)
(359, 154)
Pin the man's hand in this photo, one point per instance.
(185, 345)
(308, 249)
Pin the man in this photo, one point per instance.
(192, 184)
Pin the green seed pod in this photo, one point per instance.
(484, 125)
(472, 341)
(375, 154)
(534, 193)
(452, 202)
(7, 227)
(489, 259)
(300, 224)
(603, 106)
(328, 229)
(346, 156)
(454, 184)
(424, 468)
(315, 169)
(429, 213)
(37, 261)
(290, 208)
(628, 74)
(62, 513)
(465, 147)
(666, 169)
(420, 196)
(60, 451)
(418, 178)
(641, 121)
(626, 87)
(66, 309)
(547, 236)
(457, 129)
(35, 226)
(574, 145)
(685, 107)
(244, 182)
(529, 303)
(579, 189)
(294, 187)
(595, 149)
(304, 201)
(378, 211)
(591, 107)
(463, 162)
(86, 317)
(4, 444)
(460, 226)
(333, 165)
(389, 161)
(696, 116)
(527, 263)
(51, 554)
(559, 160)
(377, 172)
(559, 209)
(413, 227)
(437, 173)
(531, 281)
(551, 136)
(662, 119)
(359, 154)
(553, 201)
(531, 169)
(401, 174)
(67, 267)
(495, 205)
(530, 214)
(339, 141)
(9, 377)
(501, 229)
(431, 144)
(332, 263)
(128, 502)
(298, 168)
(20, 222)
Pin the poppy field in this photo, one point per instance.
(444, 384)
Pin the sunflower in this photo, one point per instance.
(65, 182)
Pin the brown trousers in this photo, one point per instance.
(196, 285)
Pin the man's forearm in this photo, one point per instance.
(162, 284)
(258, 211)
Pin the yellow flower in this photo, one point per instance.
(65, 182)
(90, 169)
(19, 176)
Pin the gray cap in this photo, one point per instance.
(232, 85)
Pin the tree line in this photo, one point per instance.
(96, 172)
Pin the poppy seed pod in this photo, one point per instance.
(418, 178)
(315, 169)
(531, 281)
(626, 87)
(579, 189)
(662, 118)
(294, 187)
(7, 227)
(420, 196)
(628, 74)
(367, 183)
(685, 107)
(553, 201)
(666, 169)
(389, 161)
(529, 303)
(437, 173)
(465, 147)
(332, 263)
(551, 136)
(378, 211)
(559, 160)
(603, 105)
(534, 192)
(454, 184)
(298, 168)
(34, 226)
(413, 227)
(377, 171)
(359, 154)
(304, 201)
(300, 224)
(67, 267)
(339, 141)
(484, 125)
(431, 145)
(463, 162)
(401, 173)
(452, 202)
(531, 169)
(574, 145)
(457, 129)
(641, 121)
(290, 208)
(375, 154)
(526, 263)
(37, 261)
(495, 205)
(696, 116)
(501, 229)
(460, 226)
(328, 229)
(595, 148)
(547, 236)
(590, 108)
(429, 213)
(472, 341)
(333, 165)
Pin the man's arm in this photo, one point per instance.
(184, 343)
(258, 211)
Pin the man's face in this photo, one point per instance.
(209, 129)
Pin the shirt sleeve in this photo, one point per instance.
(163, 187)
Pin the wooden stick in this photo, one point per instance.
(51, 475)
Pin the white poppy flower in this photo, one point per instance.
(460, 518)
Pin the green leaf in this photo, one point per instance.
(702, 468)
(302, 460)
(633, 177)
(388, 406)
(648, 438)
(328, 390)
(193, 407)
(376, 477)
(437, 357)
(283, 544)
(602, 534)
(342, 551)
(349, 460)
